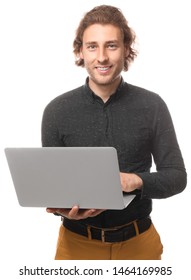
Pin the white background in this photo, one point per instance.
(37, 64)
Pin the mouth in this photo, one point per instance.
(103, 69)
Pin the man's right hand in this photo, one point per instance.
(75, 213)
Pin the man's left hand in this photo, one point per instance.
(130, 182)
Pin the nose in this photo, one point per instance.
(102, 56)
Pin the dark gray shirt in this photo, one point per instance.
(137, 123)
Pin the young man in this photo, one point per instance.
(107, 111)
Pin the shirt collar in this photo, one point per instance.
(93, 97)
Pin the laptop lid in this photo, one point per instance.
(61, 177)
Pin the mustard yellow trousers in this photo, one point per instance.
(144, 246)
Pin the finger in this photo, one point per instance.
(51, 210)
(97, 212)
(87, 213)
(72, 214)
(78, 214)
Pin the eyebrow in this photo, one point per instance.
(107, 42)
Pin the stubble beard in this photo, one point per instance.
(103, 80)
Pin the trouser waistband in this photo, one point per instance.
(115, 234)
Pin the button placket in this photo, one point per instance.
(108, 125)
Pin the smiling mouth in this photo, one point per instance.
(103, 68)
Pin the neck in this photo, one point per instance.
(104, 91)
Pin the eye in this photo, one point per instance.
(112, 46)
(91, 47)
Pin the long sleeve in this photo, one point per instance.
(50, 136)
(170, 177)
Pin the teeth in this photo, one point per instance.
(103, 68)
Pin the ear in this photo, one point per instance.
(126, 51)
(81, 54)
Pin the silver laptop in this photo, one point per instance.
(61, 177)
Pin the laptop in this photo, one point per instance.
(61, 177)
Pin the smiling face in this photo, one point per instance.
(104, 53)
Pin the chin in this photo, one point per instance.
(104, 80)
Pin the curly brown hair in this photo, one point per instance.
(105, 14)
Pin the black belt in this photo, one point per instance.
(116, 234)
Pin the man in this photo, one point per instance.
(107, 111)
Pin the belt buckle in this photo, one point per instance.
(102, 235)
(103, 230)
